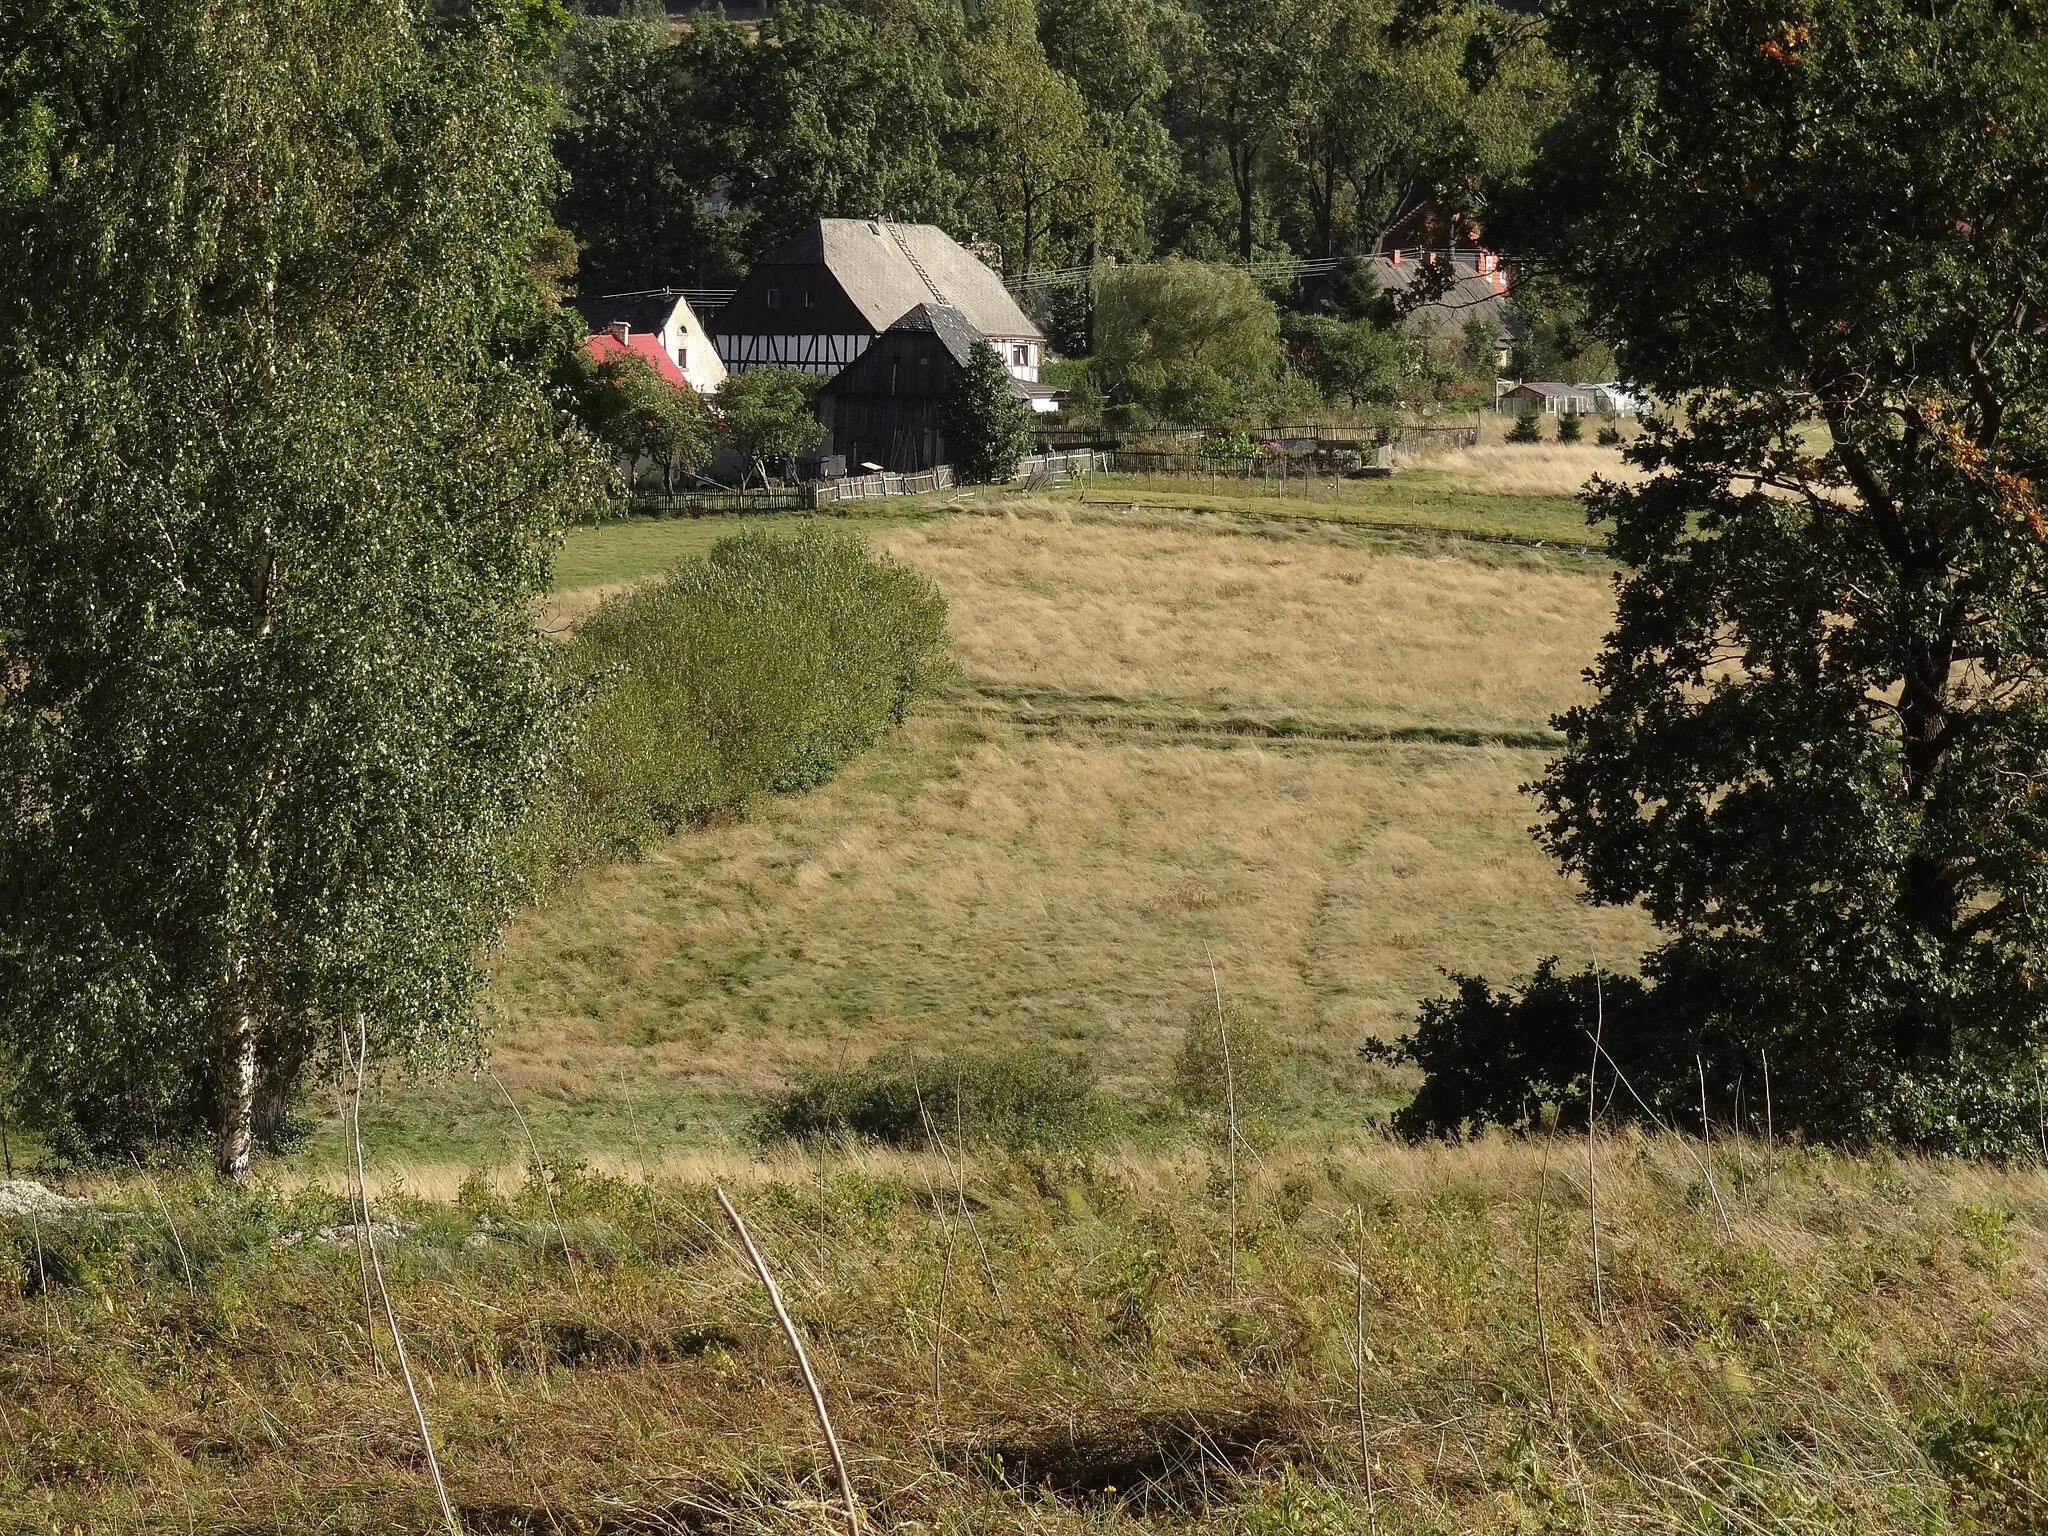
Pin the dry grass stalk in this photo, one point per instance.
(368, 1232)
(1677, 1135)
(946, 1264)
(165, 1210)
(803, 1360)
(1770, 1131)
(1229, 1111)
(547, 1184)
(1707, 1140)
(1536, 1248)
(1372, 1504)
(1592, 1128)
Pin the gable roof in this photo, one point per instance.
(642, 311)
(888, 269)
(944, 322)
(643, 344)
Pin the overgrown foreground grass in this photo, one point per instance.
(1062, 1347)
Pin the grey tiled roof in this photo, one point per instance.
(878, 264)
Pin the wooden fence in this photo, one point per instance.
(1435, 439)
(862, 487)
(1269, 466)
(1039, 470)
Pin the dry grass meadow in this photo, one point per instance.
(1172, 737)
(1356, 1339)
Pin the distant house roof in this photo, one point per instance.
(1554, 391)
(642, 311)
(888, 269)
(643, 344)
(952, 331)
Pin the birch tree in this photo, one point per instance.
(278, 484)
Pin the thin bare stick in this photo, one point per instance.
(6, 1150)
(183, 1258)
(1707, 1136)
(547, 1187)
(1229, 1111)
(1592, 1170)
(2040, 1115)
(945, 1271)
(1770, 1131)
(358, 1202)
(1542, 1331)
(1372, 1514)
(369, 1232)
(803, 1361)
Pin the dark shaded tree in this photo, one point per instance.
(988, 429)
(1820, 738)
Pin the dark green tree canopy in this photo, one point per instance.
(988, 429)
(1820, 743)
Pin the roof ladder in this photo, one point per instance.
(917, 266)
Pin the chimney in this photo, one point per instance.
(620, 331)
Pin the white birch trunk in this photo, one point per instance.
(235, 1129)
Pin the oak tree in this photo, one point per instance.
(1818, 750)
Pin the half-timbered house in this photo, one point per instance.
(818, 301)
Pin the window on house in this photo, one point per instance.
(810, 299)
(683, 358)
(774, 298)
(1020, 357)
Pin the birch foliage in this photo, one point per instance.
(278, 483)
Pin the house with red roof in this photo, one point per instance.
(621, 339)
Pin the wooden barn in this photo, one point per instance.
(887, 408)
(818, 301)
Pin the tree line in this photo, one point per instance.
(1051, 133)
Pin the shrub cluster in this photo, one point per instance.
(1688, 1031)
(756, 668)
(1015, 1099)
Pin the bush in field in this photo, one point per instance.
(1570, 429)
(1524, 429)
(1025, 1098)
(1357, 362)
(758, 667)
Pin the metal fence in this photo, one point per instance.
(711, 503)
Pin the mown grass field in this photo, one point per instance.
(1288, 745)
